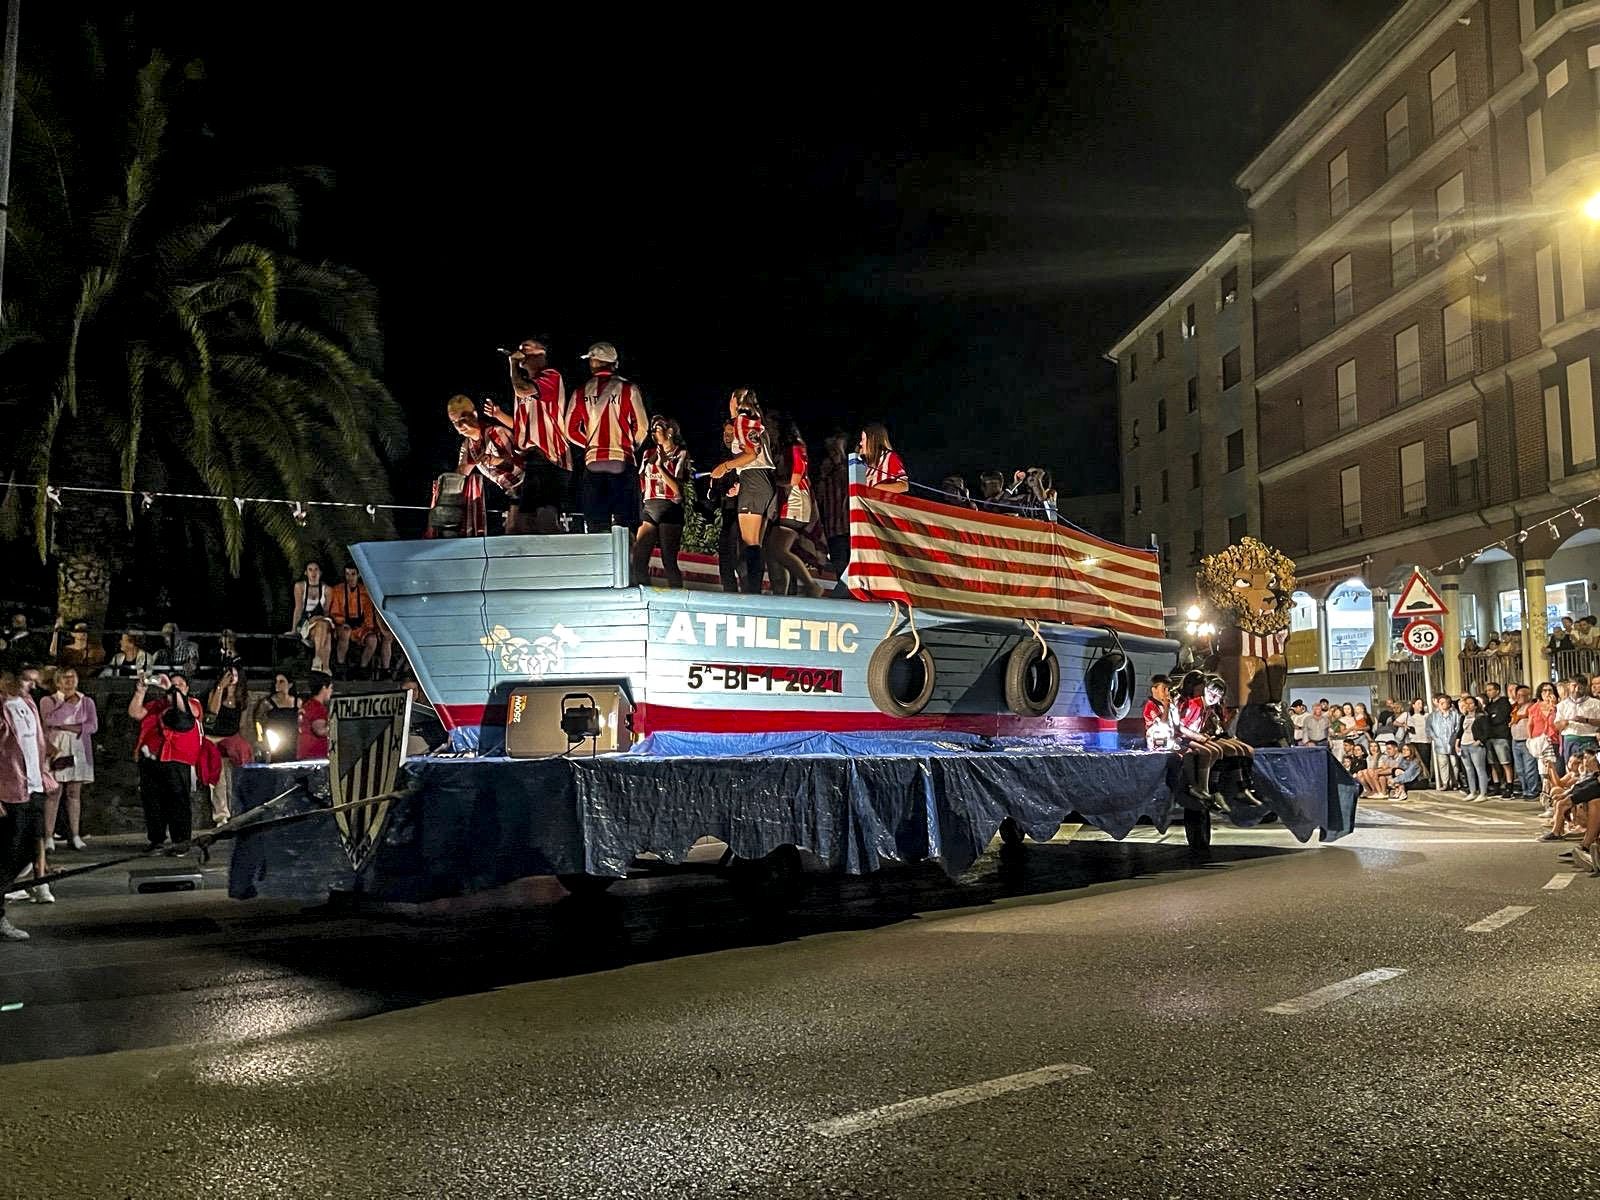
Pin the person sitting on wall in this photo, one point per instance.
(1235, 780)
(1200, 751)
(488, 452)
(1160, 725)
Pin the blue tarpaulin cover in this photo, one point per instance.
(856, 800)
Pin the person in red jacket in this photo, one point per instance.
(1160, 726)
(607, 421)
(314, 718)
(171, 730)
(796, 511)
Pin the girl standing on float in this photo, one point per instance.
(885, 471)
(752, 459)
(794, 515)
(663, 480)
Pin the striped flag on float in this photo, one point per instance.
(961, 560)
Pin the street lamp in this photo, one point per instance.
(1591, 207)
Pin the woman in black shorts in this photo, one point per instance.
(663, 475)
(752, 458)
(795, 513)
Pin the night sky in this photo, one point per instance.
(941, 222)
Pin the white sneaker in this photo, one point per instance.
(42, 894)
(79, 843)
(17, 895)
(10, 933)
(50, 845)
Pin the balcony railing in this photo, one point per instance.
(1352, 517)
(1459, 359)
(1339, 198)
(1403, 264)
(1397, 151)
(1344, 304)
(1413, 498)
(1464, 483)
(1347, 410)
(1446, 109)
(1407, 382)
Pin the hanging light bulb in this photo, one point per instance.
(53, 494)
(1578, 516)
(299, 513)
(1522, 536)
(372, 510)
(146, 501)
(1554, 532)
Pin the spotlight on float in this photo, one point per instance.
(1193, 612)
(579, 721)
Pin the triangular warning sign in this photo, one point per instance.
(1417, 599)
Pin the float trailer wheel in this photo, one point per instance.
(1197, 829)
(581, 887)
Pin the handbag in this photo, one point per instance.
(63, 756)
(1538, 745)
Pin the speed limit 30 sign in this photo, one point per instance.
(1422, 637)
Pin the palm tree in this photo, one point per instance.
(155, 343)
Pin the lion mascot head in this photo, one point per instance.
(1250, 584)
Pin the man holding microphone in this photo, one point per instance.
(538, 431)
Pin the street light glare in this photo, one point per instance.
(1194, 612)
(1591, 207)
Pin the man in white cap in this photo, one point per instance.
(607, 421)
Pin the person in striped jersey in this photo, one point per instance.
(538, 431)
(885, 471)
(606, 419)
(795, 514)
(663, 480)
(487, 452)
(752, 459)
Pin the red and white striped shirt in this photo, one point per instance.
(660, 474)
(747, 436)
(606, 417)
(797, 506)
(493, 455)
(537, 423)
(888, 469)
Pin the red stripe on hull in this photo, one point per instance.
(659, 718)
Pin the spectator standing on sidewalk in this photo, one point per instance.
(1443, 726)
(227, 707)
(1580, 729)
(1525, 766)
(24, 779)
(1498, 746)
(70, 723)
(171, 729)
(1417, 733)
(1470, 744)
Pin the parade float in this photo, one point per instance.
(979, 678)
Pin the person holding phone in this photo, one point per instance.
(168, 751)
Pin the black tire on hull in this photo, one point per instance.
(1109, 683)
(899, 685)
(1033, 679)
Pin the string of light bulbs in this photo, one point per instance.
(1575, 513)
(299, 509)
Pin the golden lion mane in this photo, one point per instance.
(1218, 572)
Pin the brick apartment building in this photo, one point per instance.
(1186, 419)
(1426, 303)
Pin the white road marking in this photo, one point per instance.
(1499, 918)
(1434, 810)
(906, 1110)
(1377, 816)
(1557, 882)
(1335, 991)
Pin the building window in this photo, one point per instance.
(1194, 469)
(1230, 285)
(1403, 249)
(1344, 293)
(1458, 356)
(1166, 492)
(1569, 421)
(1230, 368)
(1450, 202)
(1339, 184)
(1193, 394)
(1444, 99)
(1133, 365)
(1544, 269)
(1238, 527)
(1555, 78)
(1188, 326)
(1536, 171)
(1197, 548)
(1569, 252)
(1464, 464)
(1161, 415)
(1236, 450)
(1161, 345)
(1413, 479)
(1407, 364)
(1304, 650)
(1166, 558)
(1397, 135)
(1345, 389)
(1350, 498)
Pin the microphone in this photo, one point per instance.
(503, 351)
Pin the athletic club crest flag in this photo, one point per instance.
(366, 745)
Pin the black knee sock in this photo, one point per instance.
(754, 565)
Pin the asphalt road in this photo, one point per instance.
(1408, 1012)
